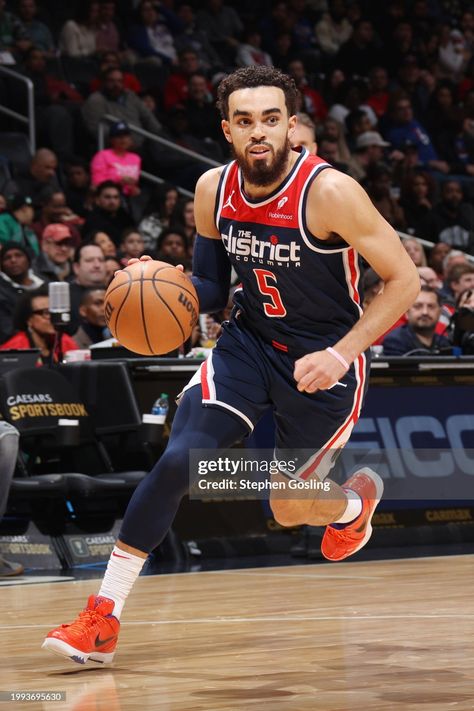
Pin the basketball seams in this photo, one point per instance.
(170, 309)
(142, 309)
(111, 291)
(173, 283)
(129, 288)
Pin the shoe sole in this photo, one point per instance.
(62, 649)
(379, 491)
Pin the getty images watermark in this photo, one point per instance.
(248, 474)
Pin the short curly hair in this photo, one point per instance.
(252, 77)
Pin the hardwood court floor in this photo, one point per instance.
(380, 636)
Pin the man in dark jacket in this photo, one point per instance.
(451, 220)
(16, 276)
(108, 215)
(418, 335)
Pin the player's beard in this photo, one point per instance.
(260, 172)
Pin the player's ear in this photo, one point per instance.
(291, 125)
(226, 130)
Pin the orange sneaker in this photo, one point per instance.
(92, 635)
(340, 543)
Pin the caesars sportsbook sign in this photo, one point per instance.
(31, 406)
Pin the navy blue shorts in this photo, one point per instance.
(245, 375)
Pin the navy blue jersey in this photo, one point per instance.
(297, 291)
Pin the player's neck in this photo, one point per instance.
(260, 191)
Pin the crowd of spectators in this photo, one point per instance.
(386, 94)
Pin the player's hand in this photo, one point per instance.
(317, 371)
(147, 258)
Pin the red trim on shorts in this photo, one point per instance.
(351, 419)
(204, 384)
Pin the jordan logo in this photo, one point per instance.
(229, 202)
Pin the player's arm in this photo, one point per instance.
(211, 265)
(338, 204)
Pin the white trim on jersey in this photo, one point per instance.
(301, 221)
(222, 185)
(284, 187)
(353, 286)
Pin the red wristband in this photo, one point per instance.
(339, 357)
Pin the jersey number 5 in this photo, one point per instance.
(275, 308)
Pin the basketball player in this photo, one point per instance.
(292, 228)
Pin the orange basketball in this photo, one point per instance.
(151, 307)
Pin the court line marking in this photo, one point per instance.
(281, 618)
(312, 577)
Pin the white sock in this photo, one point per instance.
(122, 570)
(353, 508)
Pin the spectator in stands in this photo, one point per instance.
(313, 102)
(93, 327)
(89, 272)
(437, 256)
(176, 87)
(418, 335)
(16, 276)
(445, 123)
(305, 134)
(223, 27)
(107, 36)
(132, 246)
(459, 278)
(114, 99)
(357, 122)
(13, 36)
(172, 246)
(333, 29)
(332, 129)
(302, 31)
(250, 52)
(78, 37)
(108, 215)
(183, 218)
(378, 91)
(112, 265)
(415, 251)
(328, 149)
(54, 263)
(78, 186)
(402, 44)
(158, 214)
(378, 185)
(57, 104)
(41, 177)
(37, 32)
(53, 210)
(102, 240)
(111, 60)
(416, 199)
(192, 38)
(118, 163)
(15, 224)
(463, 322)
(3, 204)
(369, 153)
(152, 36)
(283, 52)
(360, 53)
(429, 277)
(454, 54)
(202, 114)
(404, 127)
(452, 219)
(32, 322)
